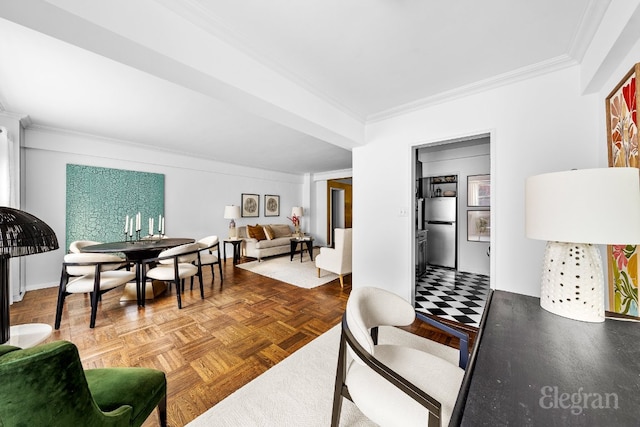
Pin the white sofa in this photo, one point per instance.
(278, 244)
(337, 259)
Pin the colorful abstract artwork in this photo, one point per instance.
(622, 147)
(100, 199)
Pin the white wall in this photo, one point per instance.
(196, 190)
(539, 125)
(463, 161)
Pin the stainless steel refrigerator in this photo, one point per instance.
(440, 223)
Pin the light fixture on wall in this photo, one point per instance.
(296, 214)
(20, 234)
(232, 212)
(573, 211)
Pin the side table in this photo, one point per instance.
(235, 242)
(302, 240)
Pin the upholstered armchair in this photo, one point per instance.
(46, 385)
(395, 384)
(337, 259)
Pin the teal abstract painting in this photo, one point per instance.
(99, 200)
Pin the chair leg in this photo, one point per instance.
(178, 294)
(339, 384)
(318, 272)
(95, 296)
(62, 294)
(342, 281)
(162, 411)
(221, 276)
(201, 283)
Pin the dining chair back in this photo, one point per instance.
(173, 266)
(76, 246)
(210, 255)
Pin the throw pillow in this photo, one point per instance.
(256, 232)
(281, 230)
(268, 231)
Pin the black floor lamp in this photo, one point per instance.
(20, 234)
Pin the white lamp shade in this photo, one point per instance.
(297, 211)
(597, 206)
(231, 212)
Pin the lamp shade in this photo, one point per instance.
(231, 212)
(597, 206)
(20, 234)
(23, 234)
(296, 211)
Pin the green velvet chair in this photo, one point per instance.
(46, 385)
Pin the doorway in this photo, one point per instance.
(339, 200)
(443, 170)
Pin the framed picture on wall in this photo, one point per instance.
(622, 150)
(250, 205)
(479, 226)
(271, 205)
(478, 190)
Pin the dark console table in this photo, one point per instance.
(533, 368)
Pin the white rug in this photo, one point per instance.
(297, 391)
(303, 274)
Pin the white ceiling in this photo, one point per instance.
(358, 60)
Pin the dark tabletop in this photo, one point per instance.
(534, 368)
(137, 246)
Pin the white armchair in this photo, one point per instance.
(337, 260)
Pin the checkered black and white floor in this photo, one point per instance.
(453, 295)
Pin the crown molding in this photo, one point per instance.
(24, 119)
(541, 68)
(586, 31)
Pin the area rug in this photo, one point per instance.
(303, 274)
(297, 391)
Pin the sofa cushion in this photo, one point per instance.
(278, 241)
(256, 232)
(268, 231)
(281, 230)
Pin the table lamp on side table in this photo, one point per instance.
(21, 234)
(232, 212)
(574, 211)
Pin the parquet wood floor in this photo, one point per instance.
(208, 349)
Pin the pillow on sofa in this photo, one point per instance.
(281, 230)
(268, 231)
(256, 232)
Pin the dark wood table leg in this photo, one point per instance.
(236, 253)
(293, 249)
(310, 249)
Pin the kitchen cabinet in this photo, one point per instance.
(421, 252)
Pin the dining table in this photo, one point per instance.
(135, 252)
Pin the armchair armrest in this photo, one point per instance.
(387, 373)
(463, 336)
(326, 250)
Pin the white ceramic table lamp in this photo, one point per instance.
(573, 211)
(232, 212)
